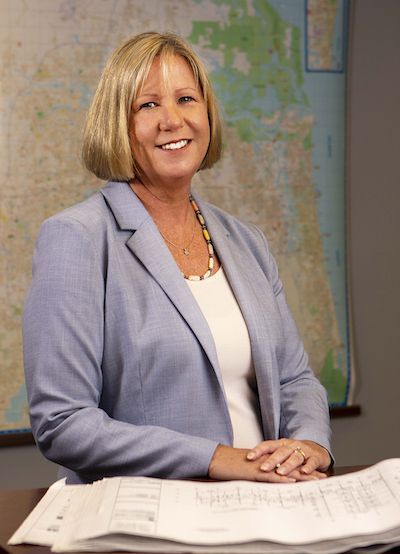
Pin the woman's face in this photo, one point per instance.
(169, 127)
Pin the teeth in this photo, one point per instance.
(175, 145)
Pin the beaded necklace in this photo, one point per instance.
(185, 249)
(207, 238)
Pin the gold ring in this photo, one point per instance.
(301, 451)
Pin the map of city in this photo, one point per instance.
(279, 71)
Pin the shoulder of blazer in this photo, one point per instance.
(114, 206)
(90, 213)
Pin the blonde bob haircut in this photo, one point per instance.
(106, 150)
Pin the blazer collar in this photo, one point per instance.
(126, 207)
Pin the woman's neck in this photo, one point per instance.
(163, 203)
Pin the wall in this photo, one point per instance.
(374, 197)
(374, 200)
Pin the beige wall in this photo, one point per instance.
(374, 201)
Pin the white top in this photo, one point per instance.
(218, 304)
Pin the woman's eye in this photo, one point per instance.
(184, 99)
(148, 105)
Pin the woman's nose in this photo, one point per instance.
(171, 118)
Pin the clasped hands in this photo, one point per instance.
(272, 461)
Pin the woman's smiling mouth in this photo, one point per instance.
(175, 145)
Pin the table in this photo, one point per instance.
(16, 505)
(14, 508)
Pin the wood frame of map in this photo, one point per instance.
(47, 83)
(23, 438)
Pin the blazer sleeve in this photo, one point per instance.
(63, 328)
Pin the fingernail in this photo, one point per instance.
(281, 471)
(265, 467)
(250, 456)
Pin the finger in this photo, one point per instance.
(295, 460)
(273, 477)
(265, 447)
(314, 476)
(277, 460)
(311, 464)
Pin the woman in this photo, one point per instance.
(157, 337)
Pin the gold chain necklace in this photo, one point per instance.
(185, 249)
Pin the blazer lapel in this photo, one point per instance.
(148, 246)
(241, 271)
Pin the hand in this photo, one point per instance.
(288, 455)
(233, 463)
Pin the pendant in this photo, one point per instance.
(186, 251)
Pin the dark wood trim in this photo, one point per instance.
(16, 439)
(345, 411)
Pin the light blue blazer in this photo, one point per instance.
(121, 368)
